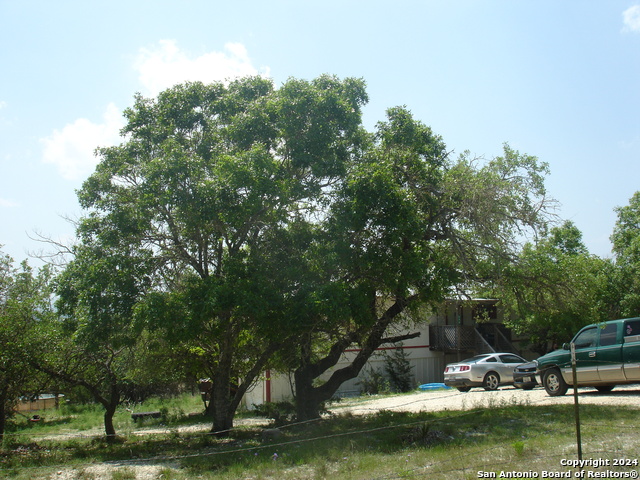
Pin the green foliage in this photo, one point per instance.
(96, 336)
(280, 412)
(424, 435)
(374, 382)
(554, 288)
(97, 292)
(236, 220)
(124, 474)
(396, 375)
(626, 247)
(216, 188)
(25, 307)
(399, 370)
(519, 447)
(407, 228)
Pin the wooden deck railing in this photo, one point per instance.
(452, 338)
(464, 338)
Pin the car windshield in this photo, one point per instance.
(475, 359)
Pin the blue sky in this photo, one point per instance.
(558, 80)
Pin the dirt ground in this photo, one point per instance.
(436, 400)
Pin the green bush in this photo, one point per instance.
(280, 412)
(398, 370)
(374, 382)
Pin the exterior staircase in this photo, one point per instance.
(482, 338)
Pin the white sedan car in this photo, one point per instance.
(488, 371)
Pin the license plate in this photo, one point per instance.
(526, 379)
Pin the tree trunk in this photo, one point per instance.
(309, 399)
(220, 401)
(226, 395)
(110, 405)
(109, 429)
(109, 401)
(308, 402)
(220, 390)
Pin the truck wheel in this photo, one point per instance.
(553, 383)
(491, 381)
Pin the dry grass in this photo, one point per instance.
(494, 435)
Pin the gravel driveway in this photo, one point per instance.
(435, 400)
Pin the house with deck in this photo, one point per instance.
(458, 329)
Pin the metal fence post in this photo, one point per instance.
(575, 399)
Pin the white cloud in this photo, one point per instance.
(3, 104)
(165, 65)
(631, 19)
(71, 149)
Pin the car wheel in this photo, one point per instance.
(491, 381)
(553, 383)
(464, 389)
(605, 388)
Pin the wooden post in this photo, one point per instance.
(268, 386)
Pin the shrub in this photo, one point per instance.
(279, 412)
(374, 382)
(398, 369)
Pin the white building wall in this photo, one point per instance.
(427, 368)
(272, 387)
(427, 365)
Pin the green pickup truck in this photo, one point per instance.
(607, 354)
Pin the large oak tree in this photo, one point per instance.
(408, 227)
(213, 183)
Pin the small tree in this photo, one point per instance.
(96, 337)
(399, 370)
(25, 305)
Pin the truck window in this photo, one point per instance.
(632, 327)
(586, 338)
(608, 335)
